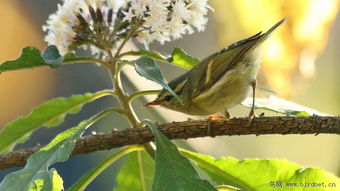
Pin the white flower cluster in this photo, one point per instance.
(60, 25)
(168, 19)
(76, 21)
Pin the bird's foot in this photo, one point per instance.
(215, 117)
(251, 115)
(211, 120)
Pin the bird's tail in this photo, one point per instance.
(264, 36)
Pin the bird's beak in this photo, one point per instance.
(153, 103)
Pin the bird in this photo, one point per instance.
(220, 81)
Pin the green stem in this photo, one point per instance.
(119, 111)
(126, 105)
(122, 63)
(102, 94)
(163, 61)
(126, 39)
(123, 98)
(92, 174)
(232, 179)
(133, 53)
(129, 53)
(142, 93)
(103, 114)
(80, 60)
(118, 90)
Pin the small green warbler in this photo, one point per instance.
(220, 81)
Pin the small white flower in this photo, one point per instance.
(129, 15)
(180, 11)
(115, 4)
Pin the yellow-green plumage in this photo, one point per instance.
(220, 81)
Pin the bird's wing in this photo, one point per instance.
(217, 65)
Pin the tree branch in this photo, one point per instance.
(191, 129)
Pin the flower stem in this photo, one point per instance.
(123, 98)
(126, 106)
(126, 39)
(118, 89)
(92, 174)
(137, 53)
(82, 60)
(142, 93)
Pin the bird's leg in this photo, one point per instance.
(252, 111)
(226, 114)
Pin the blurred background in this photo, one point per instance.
(301, 62)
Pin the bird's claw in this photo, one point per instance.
(214, 117)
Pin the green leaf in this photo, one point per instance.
(35, 175)
(31, 57)
(182, 59)
(173, 170)
(57, 181)
(49, 114)
(147, 68)
(279, 105)
(82, 183)
(136, 173)
(258, 175)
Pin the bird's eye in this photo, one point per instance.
(168, 98)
